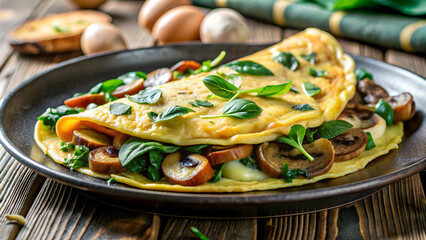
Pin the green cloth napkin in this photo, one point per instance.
(388, 30)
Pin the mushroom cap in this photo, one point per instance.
(349, 144)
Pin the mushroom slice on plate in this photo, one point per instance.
(368, 121)
(403, 106)
(90, 138)
(158, 77)
(372, 91)
(349, 144)
(191, 170)
(272, 155)
(105, 160)
(229, 154)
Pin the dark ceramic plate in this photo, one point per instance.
(19, 110)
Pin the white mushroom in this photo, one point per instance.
(102, 37)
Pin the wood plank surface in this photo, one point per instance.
(55, 211)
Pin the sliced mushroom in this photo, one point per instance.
(366, 120)
(191, 170)
(120, 140)
(130, 88)
(229, 154)
(272, 155)
(158, 77)
(84, 100)
(90, 138)
(372, 92)
(349, 144)
(182, 66)
(356, 100)
(402, 106)
(105, 160)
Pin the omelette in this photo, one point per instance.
(206, 133)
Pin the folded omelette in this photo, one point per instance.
(276, 118)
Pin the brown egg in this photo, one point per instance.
(152, 10)
(102, 37)
(179, 24)
(88, 3)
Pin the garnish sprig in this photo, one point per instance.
(295, 139)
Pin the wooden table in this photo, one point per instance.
(55, 211)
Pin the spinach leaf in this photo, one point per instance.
(96, 89)
(310, 89)
(270, 90)
(131, 77)
(220, 86)
(361, 74)
(52, 115)
(65, 147)
(199, 103)
(133, 150)
(370, 142)
(111, 85)
(146, 96)
(310, 134)
(120, 109)
(317, 72)
(290, 174)
(311, 57)
(109, 97)
(250, 163)
(302, 107)
(170, 113)
(196, 148)
(155, 158)
(199, 234)
(249, 67)
(238, 108)
(385, 111)
(293, 89)
(287, 59)
(333, 128)
(80, 158)
(217, 173)
(295, 139)
(111, 180)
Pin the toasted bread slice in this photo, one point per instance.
(54, 33)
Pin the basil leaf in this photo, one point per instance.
(249, 67)
(293, 89)
(311, 57)
(137, 165)
(146, 96)
(287, 59)
(96, 89)
(333, 128)
(155, 158)
(65, 147)
(111, 85)
(302, 107)
(196, 148)
(135, 147)
(52, 115)
(241, 108)
(317, 72)
(290, 174)
(111, 180)
(217, 173)
(198, 233)
(271, 90)
(385, 111)
(80, 158)
(120, 109)
(199, 103)
(91, 106)
(170, 113)
(220, 86)
(250, 163)
(361, 74)
(370, 142)
(131, 77)
(310, 89)
(310, 134)
(295, 139)
(109, 97)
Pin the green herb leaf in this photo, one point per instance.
(146, 96)
(370, 142)
(361, 74)
(250, 163)
(310, 134)
(270, 90)
(199, 234)
(196, 148)
(133, 150)
(155, 158)
(249, 67)
(287, 59)
(333, 128)
(199, 103)
(60, 29)
(52, 115)
(96, 89)
(217, 173)
(311, 57)
(205, 66)
(290, 174)
(91, 106)
(111, 180)
(318, 72)
(111, 85)
(65, 147)
(293, 89)
(385, 111)
(310, 89)
(220, 86)
(109, 97)
(238, 108)
(170, 113)
(120, 109)
(80, 158)
(131, 77)
(295, 139)
(302, 107)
